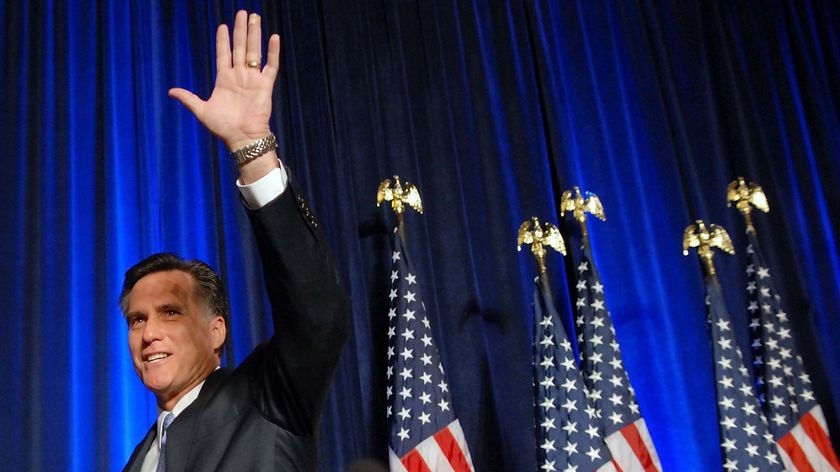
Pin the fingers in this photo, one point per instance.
(253, 53)
(223, 48)
(240, 37)
(188, 99)
(272, 65)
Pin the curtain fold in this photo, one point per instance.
(493, 109)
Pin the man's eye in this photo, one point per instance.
(171, 313)
(135, 323)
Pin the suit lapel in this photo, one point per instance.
(136, 461)
(181, 434)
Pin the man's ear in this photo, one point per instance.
(218, 331)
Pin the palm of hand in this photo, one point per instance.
(239, 108)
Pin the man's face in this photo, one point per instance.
(171, 336)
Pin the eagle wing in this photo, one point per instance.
(720, 239)
(384, 192)
(594, 207)
(758, 198)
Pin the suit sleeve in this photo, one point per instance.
(291, 374)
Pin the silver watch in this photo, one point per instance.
(254, 150)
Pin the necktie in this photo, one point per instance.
(162, 460)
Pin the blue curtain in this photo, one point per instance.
(492, 109)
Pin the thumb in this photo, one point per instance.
(188, 99)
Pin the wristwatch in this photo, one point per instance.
(254, 150)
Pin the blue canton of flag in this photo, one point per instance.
(607, 382)
(746, 442)
(424, 433)
(567, 429)
(795, 418)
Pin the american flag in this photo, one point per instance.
(795, 418)
(424, 434)
(609, 388)
(567, 424)
(746, 442)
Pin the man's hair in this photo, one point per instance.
(208, 283)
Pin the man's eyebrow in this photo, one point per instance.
(132, 314)
(169, 306)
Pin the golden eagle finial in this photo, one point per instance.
(579, 204)
(399, 194)
(745, 196)
(697, 235)
(530, 232)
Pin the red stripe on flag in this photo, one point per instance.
(795, 453)
(637, 444)
(615, 464)
(815, 431)
(452, 450)
(414, 462)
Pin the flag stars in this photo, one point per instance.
(570, 448)
(406, 373)
(407, 354)
(395, 256)
(409, 297)
(411, 279)
(570, 427)
(548, 446)
(548, 404)
(728, 444)
(547, 362)
(548, 424)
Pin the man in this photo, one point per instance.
(264, 414)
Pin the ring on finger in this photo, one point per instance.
(252, 64)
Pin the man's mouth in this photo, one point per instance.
(156, 357)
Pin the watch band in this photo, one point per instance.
(254, 150)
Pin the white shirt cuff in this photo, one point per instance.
(264, 190)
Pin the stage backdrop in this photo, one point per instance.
(492, 109)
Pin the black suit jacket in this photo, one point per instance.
(264, 414)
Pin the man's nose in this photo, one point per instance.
(152, 329)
